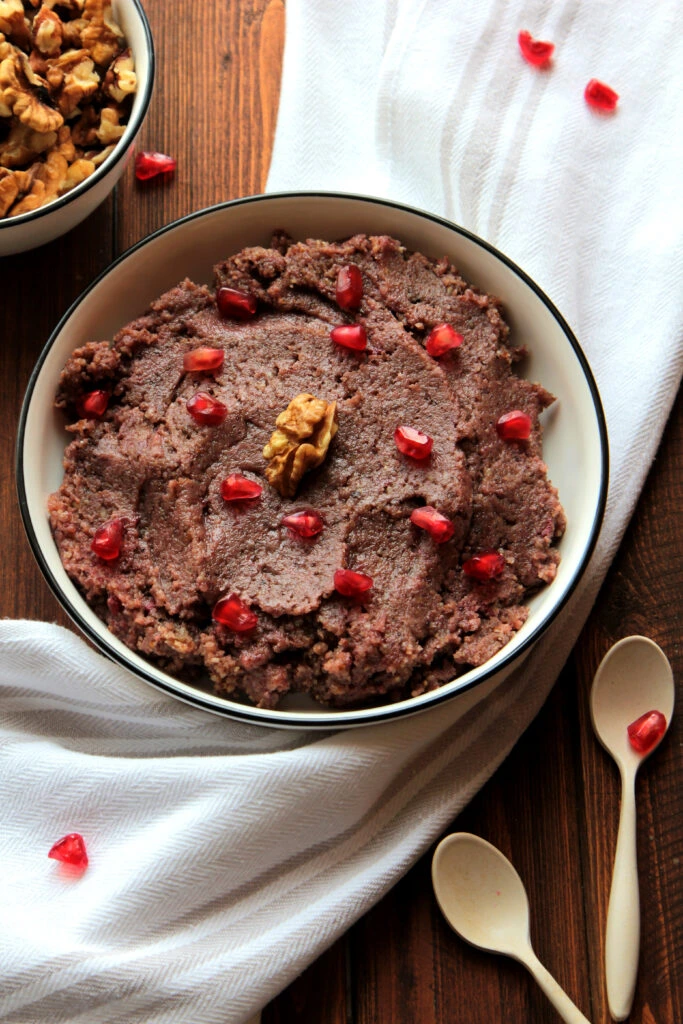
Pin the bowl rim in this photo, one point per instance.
(307, 720)
(119, 153)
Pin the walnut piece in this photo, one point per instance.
(73, 33)
(48, 32)
(109, 130)
(71, 78)
(9, 190)
(120, 80)
(13, 21)
(46, 182)
(17, 94)
(102, 36)
(300, 441)
(23, 145)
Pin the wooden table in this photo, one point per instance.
(552, 806)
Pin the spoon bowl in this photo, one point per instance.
(483, 899)
(633, 678)
(480, 894)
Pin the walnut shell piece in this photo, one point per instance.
(300, 441)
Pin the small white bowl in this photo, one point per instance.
(29, 230)
(575, 438)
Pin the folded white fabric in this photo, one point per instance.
(224, 858)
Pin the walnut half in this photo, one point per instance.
(300, 442)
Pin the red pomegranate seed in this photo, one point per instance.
(236, 303)
(645, 733)
(93, 405)
(350, 336)
(70, 850)
(200, 359)
(149, 165)
(514, 426)
(234, 613)
(206, 410)
(438, 526)
(351, 584)
(349, 287)
(442, 339)
(239, 488)
(412, 442)
(487, 566)
(304, 524)
(600, 96)
(533, 50)
(106, 542)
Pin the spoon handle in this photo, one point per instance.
(557, 996)
(622, 941)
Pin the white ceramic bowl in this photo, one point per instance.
(29, 230)
(575, 441)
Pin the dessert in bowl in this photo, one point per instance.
(269, 594)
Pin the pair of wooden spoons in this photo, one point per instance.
(483, 898)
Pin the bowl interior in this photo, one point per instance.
(574, 439)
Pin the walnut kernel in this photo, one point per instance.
(300, 441)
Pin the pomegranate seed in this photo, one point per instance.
(93, 405)
(438, 526)
(351, 584)
(412, 442)
(487, 566)
(600, 96)
(239, 488)
(106, 542)
(236, 303)
(514, 426)
(70, 850)
(203, 359)
(304, 524)
(645, 733)
(206, 410)
(442, 339)
(349, 287)
(234, 613)
(149, 165)
(350, 336)
(533, 50)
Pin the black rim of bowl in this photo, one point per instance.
(324, 720)
(118, 154)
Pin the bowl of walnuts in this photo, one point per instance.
(76, 80)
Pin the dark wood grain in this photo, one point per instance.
(552, 806)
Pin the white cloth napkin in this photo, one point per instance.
(225, 858)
